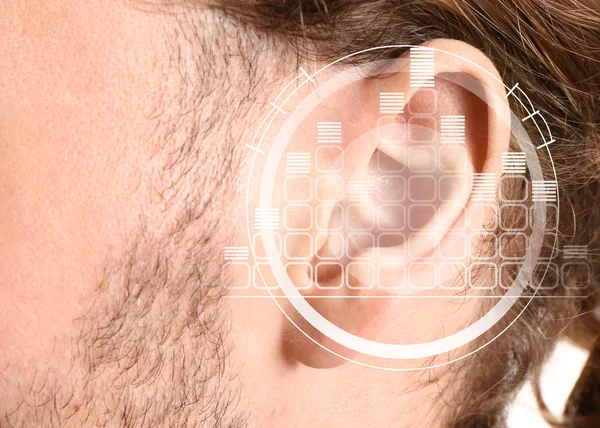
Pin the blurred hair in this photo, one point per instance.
(552, 49)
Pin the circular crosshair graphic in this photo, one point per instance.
(393, 103)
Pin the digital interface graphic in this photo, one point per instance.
(368, 225)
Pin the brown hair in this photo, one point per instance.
(552, 48)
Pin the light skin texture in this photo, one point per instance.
(122, 163)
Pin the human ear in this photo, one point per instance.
(402, 170)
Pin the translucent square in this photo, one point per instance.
(332, 272)
(258, 246)
(422, 188)
(391, 188)
(509, 181)
(576, 274)
(391, 276)
(235, 275)
(422, 276)
(549, 249)
(303, 282)
(453, 158)
(360, 275)
(263, 277)
(297, 189)
(392, 217)
(298, 217)
(454, 246)
(422, 159)
(360, 217)
(551, 275)
(449, 187)
(421, 129)
(297, 245)
(391, 245)
(514, 217)
(484, 245)
(508, 273)
(329, 188)
(416, 245)
(329, 159)
(490, 222)
(387, 163)
(551, 215)
(451, 275)
(391, 130)
(483, 276)
(420, 215)
(329, 217)
(333, 247)
(357, 242)
(513, 245)
(423, 102)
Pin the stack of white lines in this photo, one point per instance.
(266, 218)
(422, 67)
(391, 102)
(236, 253)
(360, 190)
(543, 191)
(513, 163)
(453, 129)
(575, 251)
(484, 187)
(329, 132)
(297, 163)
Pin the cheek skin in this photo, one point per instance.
(76, 87)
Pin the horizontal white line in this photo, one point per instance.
(401, 296)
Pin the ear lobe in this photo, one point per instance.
(387, 222)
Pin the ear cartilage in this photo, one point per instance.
(453, 129)
(422, 67)
(513, 163)
(484, 187)
(329, 132)
(391, 102)
(543, 191)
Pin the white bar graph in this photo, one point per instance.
(298, 163)
(453, 129)
(391, 102)
(422, 67)
(514, 163)
(543, 191)
(266, 218)
(329, 132)
(484, 187)
(575, 251)
(235, 253)
(360, 190)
